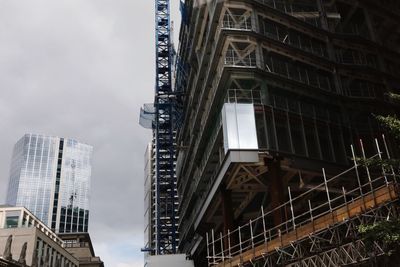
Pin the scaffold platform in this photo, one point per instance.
(323, 234)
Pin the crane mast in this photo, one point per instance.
(165, 148)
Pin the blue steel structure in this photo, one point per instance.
(165, 148)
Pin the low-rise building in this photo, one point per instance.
(25, 240)
(80, 246)
(6, 263)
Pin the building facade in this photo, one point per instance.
(51, 177)
(149, 205)
(151, 209)
(80, 246)
(30, 241)
(274, 91)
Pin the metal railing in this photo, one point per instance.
(233, 59)
(256, 233)
(244, 96)
(239, 22)
(307, 12)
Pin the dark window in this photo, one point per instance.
(270, 128)
(324, 141)
(338, 146)
(261, 130)
(12, 221)
(311, 137)
(282, 131)
(296, 129)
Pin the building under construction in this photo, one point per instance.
(277, 96)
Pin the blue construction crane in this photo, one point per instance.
(166, 196)
(162, 117)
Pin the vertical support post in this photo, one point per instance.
(323, 17)
(264, 230)
(277, 196)
(311, 215)
(264, 226)
(270, 234)
(357, 175)
(368, 173)
(386, 147)
(291, 208)
(388, 155)
(227, 211)
(380, 157)
(356, 169)
(327, 190)
(222, 246)
(213, 244)
(310, 208)
(240, 242)
(208, 250)
(366, 166)
(345, 202)
(251, 234)
(20, 219)
(229, 244)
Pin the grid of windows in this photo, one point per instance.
(311, 129)
(51, 177)
(49, 256)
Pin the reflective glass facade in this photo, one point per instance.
(51, 177)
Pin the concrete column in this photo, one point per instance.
(368, 21)
(323, 18)
(2, 219)
(227, 213)
(260, 56)
(255, 22)
(276, 189)
(20, 218)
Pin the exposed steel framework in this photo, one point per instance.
(166, 199)
(324, 234)
(161, 118)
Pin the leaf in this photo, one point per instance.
(390, 122)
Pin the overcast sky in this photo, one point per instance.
(82, 69)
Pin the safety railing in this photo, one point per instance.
(294, 38)
(237, 22)
(243, 96)
(222, 247)
(302, 10)
(232, 58)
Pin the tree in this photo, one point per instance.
(387, 231)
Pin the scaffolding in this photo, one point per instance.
(316, 234)
(161, 117)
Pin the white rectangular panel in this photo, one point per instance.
(239, 127)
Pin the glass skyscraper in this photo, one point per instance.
(51, 177)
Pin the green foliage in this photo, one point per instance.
(394, 97)
(391, 123)
(386, 164)
(387, 232)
